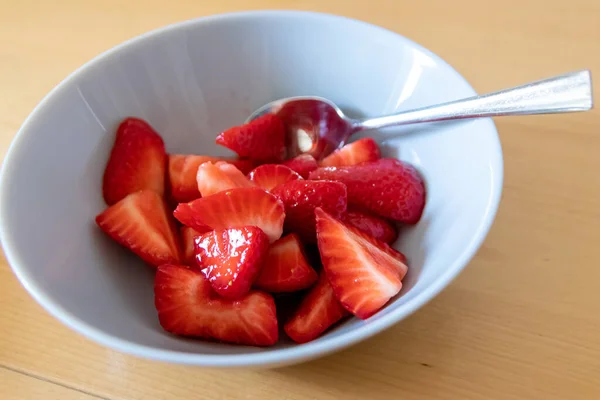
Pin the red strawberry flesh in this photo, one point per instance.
(380, 228)
(387, 187)
(141, 223)
(363, 150)
(363, 272)
(235, 208)
(262, 139)
(301, 197)
(317, 311)
(303, 164)
(183, 170)
(269, 176)
(187, 306)
(286, 269)
(137, 162)
(216, 177)
(187, 240)
(231, 258)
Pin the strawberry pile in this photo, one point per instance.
(231, 239)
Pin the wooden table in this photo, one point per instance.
(521, 322)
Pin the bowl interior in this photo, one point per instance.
(190, 82)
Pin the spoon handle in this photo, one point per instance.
(570, 92)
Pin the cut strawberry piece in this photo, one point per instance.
(317, 311)
(187, 239)
(304, 164)
(141, 223)
(380, 228)
(235, 208)
(363, 272)
(269, 176)
(262, 139)
(363, 150)
(302, 197)
(137, 162)
(231, 258)
(387, 187)
(286, 268)
(183, 170)
(214, 178)
(187, 306)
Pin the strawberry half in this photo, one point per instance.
(141, 223)
(363, 150)
(304, 164)
(183, 170)
(262, 139)
(317, 311)
(387, 187)
(380, 228)
(302, 197)
(137, 162)
(187, 240)
(269, 176)
(363, 272)
(286, 268)
(235, 208)
(231, 258)
(187, 306)
(214, 178)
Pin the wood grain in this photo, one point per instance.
(521, 322)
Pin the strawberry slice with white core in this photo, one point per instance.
(363, 272)
(269, 176)
(187, 306)
(183, 170)
(141, 223)
(216, 177)
(363, 150)
(235, 208)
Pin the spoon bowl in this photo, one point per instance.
(316, 126)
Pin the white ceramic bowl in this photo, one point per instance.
(190, 81)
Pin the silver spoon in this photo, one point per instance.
(317, 126)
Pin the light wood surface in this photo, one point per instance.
(521, 322)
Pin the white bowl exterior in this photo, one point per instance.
(190, 81)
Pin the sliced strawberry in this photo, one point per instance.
(235, 208)
(380, 228)
(363, 272)
(137, 162)
(231, 258)
(187, 240)
(269, 176)
(387, 187)
(363, 150)
(262, 139)
(302, 197)
(187, 306)
(286, 268)
(216, 177)
(141, 223)
(183, 170)
(317, 311)
(304, 164)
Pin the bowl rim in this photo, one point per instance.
(269, 357)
